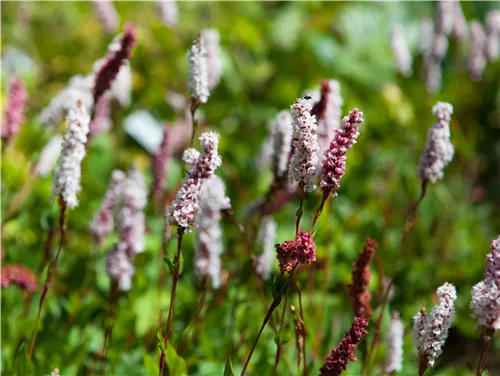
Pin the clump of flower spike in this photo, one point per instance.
(360, 280)
(266, 238)
(131, 220)
(438, 150)
(303, 166)
(394, 345)
(213, 200)
(493, 35)
(19, 275)
(302, 250)
(169, 12)
(108, 15)
(110, 67)
(15, 104)
(337, 361)
(431, 331)
(485, 302)
(68, 174)
(104, 220)
(343, 139)
(400, 51)
(328, 111)
(198, 72)
(186, 205)
(211, 38)
(119, 266)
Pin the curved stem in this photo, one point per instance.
(276, 302)
(175, 279)
(113, 292)
(51, 272)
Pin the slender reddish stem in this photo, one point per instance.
(51, 272)
(282, 320)
(299, 211)
(175, 279)
(485, 349)
(299, 293)
(195, 103)
(113, 293)
(326, 194)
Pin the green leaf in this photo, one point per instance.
(151, 365)
(22, 364)
(284, 335)
(168, 265)
(159, 337)
(228, 370)
(176, 365)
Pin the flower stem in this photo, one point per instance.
(299, 293)
(485, 348)
(278, 350)
(409, 225)
(51, 272)
(299, 210)
(276, 302)
(175, 279)
(113, 293)
(326, 194)
(195, 103)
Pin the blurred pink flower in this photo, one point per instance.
(19, 275)
(15, 105)
(106, 11)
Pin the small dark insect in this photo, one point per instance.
(307, 97)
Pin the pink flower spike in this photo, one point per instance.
(15, 105)
(106, 11)
(302, 250)
(19, 275)
(108, 70)
(343, 139)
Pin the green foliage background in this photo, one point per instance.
(273, 51)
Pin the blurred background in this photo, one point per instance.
(273, 52)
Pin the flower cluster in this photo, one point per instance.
(336, 361)
(110, 20)
(169, 13)
(360, 280)
(131, 220)
(48, 156)
(13, 115)
(79, 88)
(109, 68)
(186, 205)
(211, 38)
(303, 166)
(328, 111)
(400, 50)
(208, 233)
(431, 331)
(485, 302)
(343, 139)
(68, 174)
(394, 346)
(493, 35)
(198, 71)
(301, 250)
(438, 150)
(119, 266)
(19, 275)
(266, 238)
(104, 220)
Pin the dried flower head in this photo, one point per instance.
(400, 51)
(303, 166)
(104, 222)
(68, 174)
(108, 69)
(360, 280)
(169, 13)
(19, 275)
(486, 294)
(328, 111)
(198, 71)
(211, 38)
(337, 360)
(208, 233)
(343, 139)
(186, 205)
(431, 331)
(131, 220)
(477, 51)
(15, 105)
(119, 266)
(266, 238)
(394, 345)
(106, 11)
(438, 150)
(302, 250)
